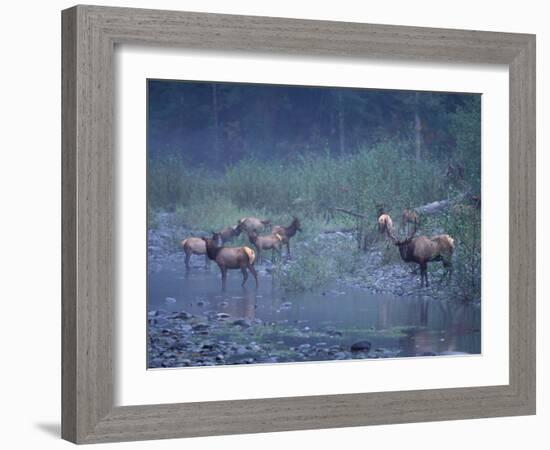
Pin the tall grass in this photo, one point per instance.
(309, 185)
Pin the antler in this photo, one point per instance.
(390, 234)
(413, 232)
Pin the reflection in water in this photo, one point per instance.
(410, 325)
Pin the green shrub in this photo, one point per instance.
(307, 272)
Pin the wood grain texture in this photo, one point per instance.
(89, 36)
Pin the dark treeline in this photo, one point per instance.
(219, 124)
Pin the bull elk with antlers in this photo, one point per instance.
(423, 249)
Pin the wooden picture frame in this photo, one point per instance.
(89, 37)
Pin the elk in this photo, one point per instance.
(271, 241)
(408, 216)
(194, 246)
(385, 223)
(228, 258)
(422, 250)
(287, 232)
(249, 224)
(229, 233)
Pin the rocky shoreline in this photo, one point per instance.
(181, 338)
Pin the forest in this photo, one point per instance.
(335, 158)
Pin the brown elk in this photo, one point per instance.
(229, 233)
(194, 246)
(422, 250)
(408, 216)
(231, 258)
(287, 232)
(249, 224)
(271, 241)
(385, 223)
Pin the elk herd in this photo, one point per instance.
(416, 249)
(243, 257)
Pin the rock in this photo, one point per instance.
(361, 346)
(183, 315)
(304, 347)
(201, 327)
(241, 323)
(340, 355)
(241, 350)
(222, 316)
(170, 300)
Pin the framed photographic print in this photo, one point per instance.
(279, 224)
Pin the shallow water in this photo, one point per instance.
(395, 325)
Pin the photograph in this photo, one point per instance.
(289, 224)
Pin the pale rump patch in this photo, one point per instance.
(385, 223)
(183, 242)
(251, 254)
(278, 236)
(451, 240)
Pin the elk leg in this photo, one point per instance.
(187, 258)
(253, 270)
(425, 270)
(206, 262)
(224, 277)
(449, 267)
(245, 275)
(423, 275)
(288, 249)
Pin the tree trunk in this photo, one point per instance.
(341, 123)
(417, 129)
(215, 114)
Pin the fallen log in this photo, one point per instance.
(351, 213)
(427, 209)
(434, 207)
(340, 230)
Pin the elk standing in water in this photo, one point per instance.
(287, 232)
(408, 216)
(229, 233)
(231, 258)
(249, 224)
(270, 241)
(194, 246)
(423, 250)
